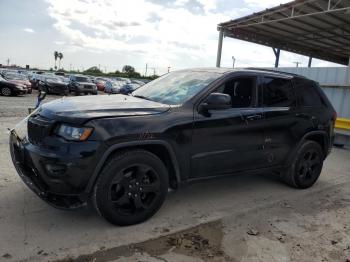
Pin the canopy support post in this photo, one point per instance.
(218, 56)
(310, 62)
(277, 52)
(348, 74)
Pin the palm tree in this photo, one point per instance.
(60, 56)
(55, 54)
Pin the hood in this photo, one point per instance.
(81, 109)
(20, 82)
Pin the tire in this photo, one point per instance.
(131, 187)
(6, 91)
(45, 89)
(306, 166)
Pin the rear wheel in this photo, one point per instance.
(131, 188)
(306, 167)
(6, 91)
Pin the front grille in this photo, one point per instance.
(87, 86)
(38, 129)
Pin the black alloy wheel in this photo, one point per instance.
(135, 189)
(131, 187)
(306, 167)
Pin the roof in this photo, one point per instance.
(316, 28)
(226, 70)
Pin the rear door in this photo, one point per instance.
(278, 101)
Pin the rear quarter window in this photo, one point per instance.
(307, 93)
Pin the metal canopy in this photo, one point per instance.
(314, 28)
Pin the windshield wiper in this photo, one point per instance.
(143, 97)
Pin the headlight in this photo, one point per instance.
(19, 87)
(74, 133)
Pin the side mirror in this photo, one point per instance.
(216, 101)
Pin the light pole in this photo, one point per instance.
(297, 63)
(233, 61)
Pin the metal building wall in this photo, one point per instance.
(323, 75)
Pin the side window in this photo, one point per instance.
(307, 93)
(241, 91)
(277, 92)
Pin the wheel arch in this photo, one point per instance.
(161, 149)
(319, 137)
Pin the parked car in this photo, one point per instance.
(8, 88)
(59, 73)
(128, 88)
(35, 79)
(18, 79)
(53, 85)
(100, 83)
(124, 152)
(80, 84)
(113, 86)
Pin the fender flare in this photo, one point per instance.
(122, 145)
(304, 138)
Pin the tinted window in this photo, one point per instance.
(277, 92)
(307, 93)
(241, 91)
(82, 79)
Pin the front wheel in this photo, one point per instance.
(6, 91)
(131, 187)
(306, 167)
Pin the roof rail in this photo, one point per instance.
(273, 71)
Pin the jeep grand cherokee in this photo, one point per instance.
(122, 153)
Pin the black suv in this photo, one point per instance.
(122, 153)
(80, 84)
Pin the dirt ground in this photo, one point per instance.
(238, 218)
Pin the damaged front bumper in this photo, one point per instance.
(27, 171)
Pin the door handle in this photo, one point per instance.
(254, 117)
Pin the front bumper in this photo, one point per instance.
(86, 89)
(64, 193)
(20, 91)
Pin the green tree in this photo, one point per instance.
(93, 70)
(128, 69)
(60, 56)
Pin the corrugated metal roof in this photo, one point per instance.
(316, 28)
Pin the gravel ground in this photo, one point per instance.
(239, 218)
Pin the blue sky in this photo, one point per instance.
(112, 33)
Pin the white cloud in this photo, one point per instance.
(28, 30)
(265, 3)
(163, 34)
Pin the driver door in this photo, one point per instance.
(229, 140)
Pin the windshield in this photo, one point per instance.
(53, 79)
(82, 79)
(176, 87)
(117, 84)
